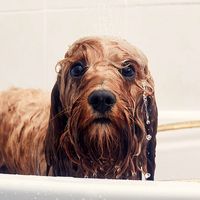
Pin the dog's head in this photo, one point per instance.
(102, 111)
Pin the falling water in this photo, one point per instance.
(112, 18)
(104, 18)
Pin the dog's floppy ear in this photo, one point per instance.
(150, 120)
(151, 130)
(56, 126)
(145, 130)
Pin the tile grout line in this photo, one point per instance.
(77, 7)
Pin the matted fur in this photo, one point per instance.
(24, 115)
(74, 145)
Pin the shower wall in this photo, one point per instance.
(35, 34)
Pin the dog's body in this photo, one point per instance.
(101, 121)
(24, 115)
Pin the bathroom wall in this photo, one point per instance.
(35, 34)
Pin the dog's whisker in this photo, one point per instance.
(63, 111)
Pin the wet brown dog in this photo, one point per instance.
(103, 117)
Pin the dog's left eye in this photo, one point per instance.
(77, 69)
(128, 71)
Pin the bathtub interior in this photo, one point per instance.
(178, 156)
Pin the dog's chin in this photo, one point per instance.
(102, 143)
(102, 138)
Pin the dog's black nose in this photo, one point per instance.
(102, 100)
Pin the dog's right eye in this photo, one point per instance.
(128, 70)
(77, 69)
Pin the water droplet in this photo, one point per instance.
(148, 122)
(118, 170)
(94, 174)
(148, 137)
(58, 68)
(147, 175)
(133, 173)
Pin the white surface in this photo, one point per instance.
(172, 116)
(178, 155)
(14, 187)
(35, 35)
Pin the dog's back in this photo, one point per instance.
(24, 115)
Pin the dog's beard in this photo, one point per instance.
(103, 148)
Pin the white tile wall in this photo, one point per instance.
(21, 50)
(19, 5)
(35, 34)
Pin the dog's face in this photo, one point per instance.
(101, 91)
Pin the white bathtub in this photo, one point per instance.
(178, 151)
(14, 187)
(178, 155)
